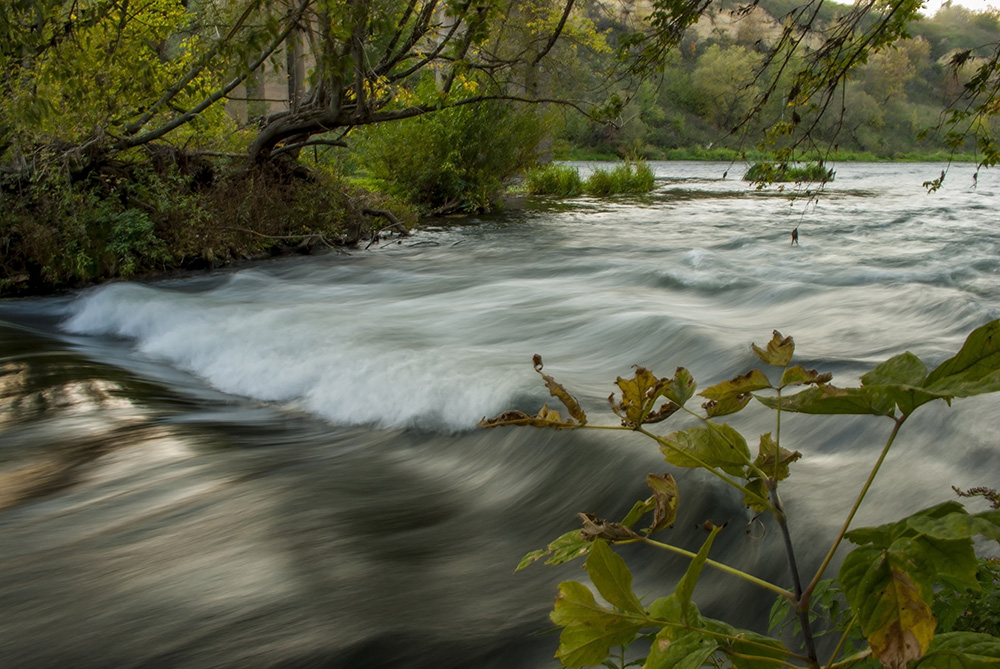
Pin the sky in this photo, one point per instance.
(931, 6)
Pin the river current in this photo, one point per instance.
(277, 465)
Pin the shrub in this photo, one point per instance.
(457, 159)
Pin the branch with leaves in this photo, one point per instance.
(889, 579)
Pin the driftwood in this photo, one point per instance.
(394, 224)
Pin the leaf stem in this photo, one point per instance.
(843, 640)
(857, 504)
(718, 565)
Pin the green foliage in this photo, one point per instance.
(458, 159)
(969, 606)
(133, 242)
(911, 593)
(553, 179)
(768, 172)
(170, 213)
(627, 178)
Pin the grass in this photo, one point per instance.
(627, 178)
(552, 179)
(630, 177)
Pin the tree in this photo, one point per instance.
(369, 58)
(721, 81)
(125, 75)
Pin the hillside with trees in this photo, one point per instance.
(891, 105)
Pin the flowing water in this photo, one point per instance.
(278, 466)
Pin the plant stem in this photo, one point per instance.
(777, 435)
(718, 565)
(857, 504)
(800, 604)
(843, 640)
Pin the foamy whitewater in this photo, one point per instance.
(278, 465)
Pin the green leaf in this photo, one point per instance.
(567, 547)
(639, 509)
(827, 399)
(758, 500)
(589, 630)
(679, 649)
(962, 650)
(755, 651)
(902, 379)
(883, 535)
(726, 406)
(958, 525)
(798, 376)
(711, 445)
(685, 587)
(612, 578)
(747, 650)
(974, 370)
(905, 369)
(779, 350)
(949, 561)
(740, 385)
(680, 388)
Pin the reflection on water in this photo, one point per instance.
(276, 466)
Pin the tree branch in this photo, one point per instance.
(218, 95)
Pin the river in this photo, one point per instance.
(277, 465)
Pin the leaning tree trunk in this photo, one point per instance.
(290, 124)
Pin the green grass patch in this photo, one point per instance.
(553, 179)
(626, 178)
(630, 177)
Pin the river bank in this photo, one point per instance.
(145, 219)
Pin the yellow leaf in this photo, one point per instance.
(910, 628)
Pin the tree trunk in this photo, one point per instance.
(306, 122)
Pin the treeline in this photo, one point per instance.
(891, 107)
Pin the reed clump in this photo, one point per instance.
(627, 178)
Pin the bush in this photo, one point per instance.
(455, 160)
